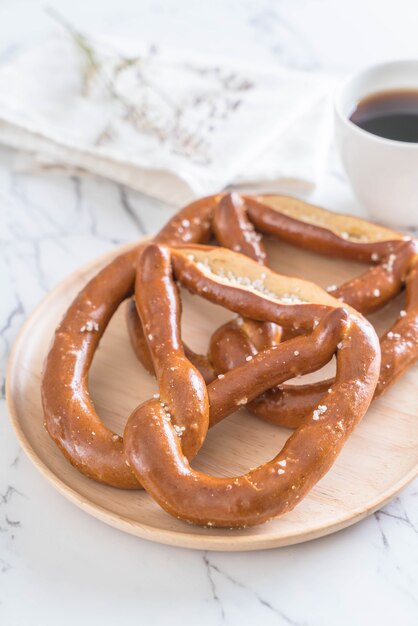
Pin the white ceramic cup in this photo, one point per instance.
(383, 172)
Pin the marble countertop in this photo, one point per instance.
(58, 564)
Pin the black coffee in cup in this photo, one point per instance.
(391, 114)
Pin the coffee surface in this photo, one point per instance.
(390, 114)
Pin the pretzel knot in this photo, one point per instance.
(164, 433)
(394, 266)
(232, 220)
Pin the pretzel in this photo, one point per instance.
(98, 453)
(162, 433)
(394, 257)
(70, 416)
(232, 219)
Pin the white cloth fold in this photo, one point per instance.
(172, 125)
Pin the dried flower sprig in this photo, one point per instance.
(92, 64)
(184, 127)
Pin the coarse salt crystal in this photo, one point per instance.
(179, 430)
(319, 411)
(89, 327)
(390, 263)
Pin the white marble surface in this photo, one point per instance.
(57, 564)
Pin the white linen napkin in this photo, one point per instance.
(172, 125)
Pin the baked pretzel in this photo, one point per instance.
(394, 259)
(96, 451)
(232, 218)
(163, 433)
(70, 416)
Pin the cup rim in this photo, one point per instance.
(406, 145)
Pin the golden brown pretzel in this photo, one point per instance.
(394, 257)
(100, 454)
(232, 219)
(70, 416)
(161, 433)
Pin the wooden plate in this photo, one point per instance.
(380, 458)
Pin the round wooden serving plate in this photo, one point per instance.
(379, 459)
